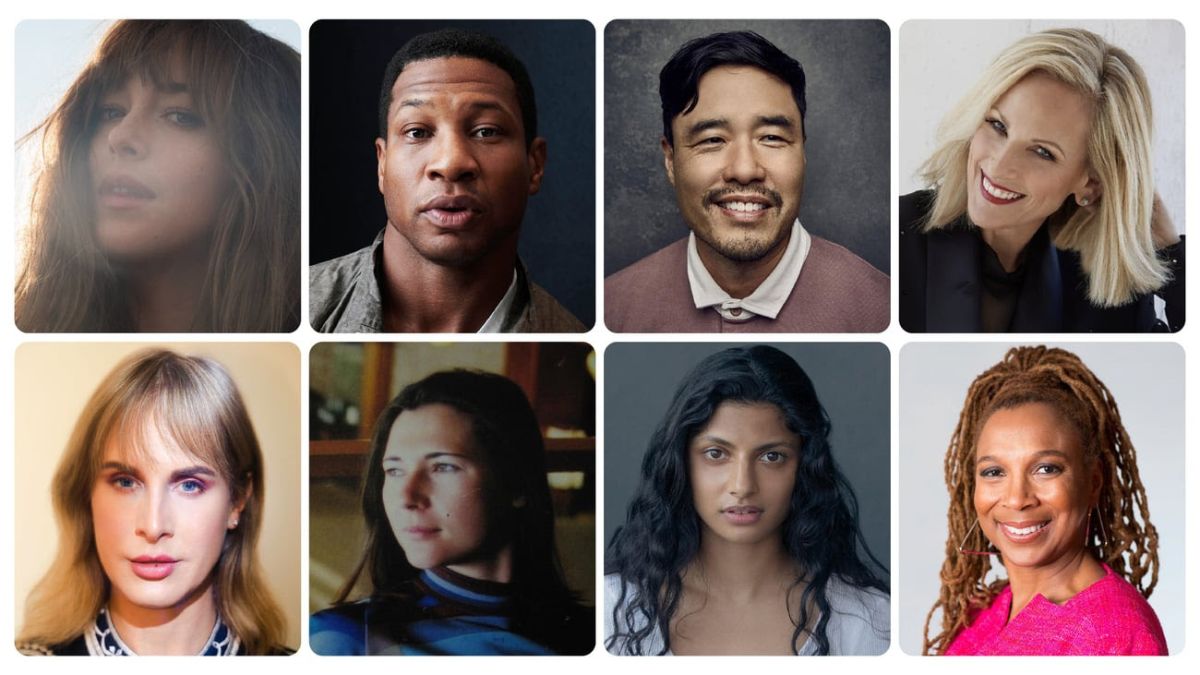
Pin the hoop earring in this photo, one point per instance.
(962, 544)
(1088, 534)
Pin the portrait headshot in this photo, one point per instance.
(158, 176)
(1042, 174)
(1059, 470)
(452, 499)
(452, 177)
(747, 499)
(171, 477)
(746, 176)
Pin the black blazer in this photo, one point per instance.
(941, 283)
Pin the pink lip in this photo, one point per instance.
(742, 515)
(993, 199)
(1007, 528)
(421, 533)
(452, 211)
(123, 192)
(153, 568)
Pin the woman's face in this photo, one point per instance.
(1034, 488)
(742, 466)
(437, 492)
(160, 518)
(158, 173)
(1029, 155)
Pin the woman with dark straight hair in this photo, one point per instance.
(460, 555)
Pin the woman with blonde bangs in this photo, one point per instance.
(159, 500)
(1043, 479)
(168, 194)
(1041, 214)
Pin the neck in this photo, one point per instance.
(1008, 242)
(420, 296)
(740, 278)
(497, 568)
(1058, 582)
(741, 572)
(165, 295)
(180, 630)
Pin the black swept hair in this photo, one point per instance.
(661, 535)
(679, 80)
(450, 42)
(506, 431)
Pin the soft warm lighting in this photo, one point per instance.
(566, 480)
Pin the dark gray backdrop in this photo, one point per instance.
(847, 180)
(558, 239)
(852, 381)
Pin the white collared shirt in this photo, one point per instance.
(766, 300)
(495, 322)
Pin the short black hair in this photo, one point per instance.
(679, 80)
(469, 44)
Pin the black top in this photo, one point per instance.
(942, 281)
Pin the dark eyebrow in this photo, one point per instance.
(432, 455)
(704, 125)
(1039, 453)
(119, 467)
(710, 438)
(776, 121)
(191, 472)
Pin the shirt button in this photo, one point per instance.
(736, 311)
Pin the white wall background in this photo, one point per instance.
(941, 60)
(1147, 381)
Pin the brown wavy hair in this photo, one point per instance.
(247, 86)
(194, 402)
(1057, 378)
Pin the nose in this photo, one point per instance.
(744, 481)
(743, 166)
(127, 137)
(1019, 494)
(1004, 162)
(453, 158)
(415, 490)
(155, 520)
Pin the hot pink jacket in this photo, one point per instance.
(1109, 617)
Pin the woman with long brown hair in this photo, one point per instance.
(1043, 477)
(168, 195)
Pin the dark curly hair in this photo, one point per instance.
(661, 535)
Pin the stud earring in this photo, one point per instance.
(1085, 201)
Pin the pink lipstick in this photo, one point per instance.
(153, 568)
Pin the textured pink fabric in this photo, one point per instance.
(1109, 617)
(837, 292)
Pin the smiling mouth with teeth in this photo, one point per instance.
(1024, 531)
(744, 207)
(997, 193)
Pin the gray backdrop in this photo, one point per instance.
(1146, 381)
(852, 382)
(846, 184)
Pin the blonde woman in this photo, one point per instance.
(159, 500)
(168, 199)
(1041, 214)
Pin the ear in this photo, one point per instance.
(537, 164)
(380, 164)
(668, 159)
(239, 505)
(1090, 193)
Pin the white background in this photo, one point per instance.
(303, 12)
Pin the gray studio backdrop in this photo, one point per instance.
(1147, 382)
(852, 381)
(846, 198)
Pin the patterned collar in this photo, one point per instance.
(102, 639)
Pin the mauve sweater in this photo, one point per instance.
(1108, 618)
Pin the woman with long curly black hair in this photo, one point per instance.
(743, 536)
